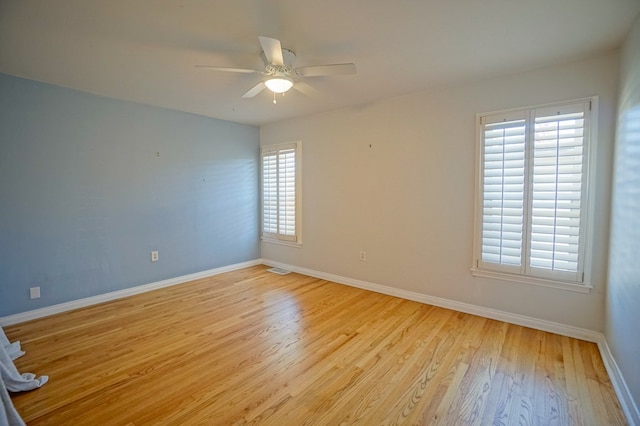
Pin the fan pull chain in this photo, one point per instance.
(274, 97)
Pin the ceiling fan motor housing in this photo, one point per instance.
(288, 57)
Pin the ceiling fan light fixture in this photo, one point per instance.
(278, 72)
(279, 84)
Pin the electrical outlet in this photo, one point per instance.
(363, 256)
(154, 256)
(34, 293)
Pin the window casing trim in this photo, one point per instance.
(272, 240)
(518, 274)
(523, 279)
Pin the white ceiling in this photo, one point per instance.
(145, 50)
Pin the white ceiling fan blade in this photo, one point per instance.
(228, 69)
(272, 50)
(254, 90)
(306, 89)
(334, 69)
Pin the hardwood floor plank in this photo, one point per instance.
(252, 347)
(443, 369)
(475, 388)
(497, 408)
(374, 388)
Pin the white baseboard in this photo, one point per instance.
(622, 391)
(538, 324)
(93, 300)
(631, 410)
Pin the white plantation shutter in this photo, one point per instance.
(503, 190)
(287, 192)
(532, 192)
(270, 193)
(280, 192)
(557, 189)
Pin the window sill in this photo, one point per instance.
(578, 288)
(281, 243)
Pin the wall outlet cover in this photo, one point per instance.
(34, 293)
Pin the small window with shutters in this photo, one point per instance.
(281, 193)
(531, 200)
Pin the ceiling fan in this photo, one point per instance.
(278, 72)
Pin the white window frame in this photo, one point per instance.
(278, 237)
(581, 282)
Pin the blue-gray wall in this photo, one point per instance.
(89, 186)
(622, 317)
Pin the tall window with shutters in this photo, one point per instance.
(281, 193)
(531, 200)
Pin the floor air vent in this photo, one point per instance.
(279, 271)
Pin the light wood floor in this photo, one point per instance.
(252, 347)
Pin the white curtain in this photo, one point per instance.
(12, 380)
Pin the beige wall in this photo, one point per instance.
(396, 178)
(622, 320)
